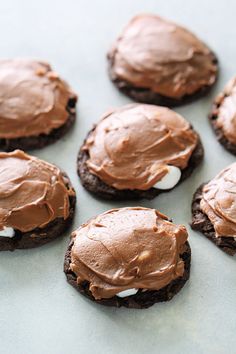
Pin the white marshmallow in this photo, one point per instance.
(127, 292)
(7, 232)
(170, 179)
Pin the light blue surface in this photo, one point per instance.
(39, 312)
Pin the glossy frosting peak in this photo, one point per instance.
(226, 112)
(33, 99)
(157, 54)
(32, 192)
(127, 248)
(131, 147)
(219, 202)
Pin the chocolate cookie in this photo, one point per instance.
(112, 274)
(156, 61)
(145, 143)
(213, 210)
(222, 116)
(37, 107)
(37, 201)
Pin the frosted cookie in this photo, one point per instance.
(214, 210)
(157, 61)
(132, 257)
(37, 201)
(36, 107)
(138, 151)
(223, 116)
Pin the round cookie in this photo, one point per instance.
(214, 210)
(37, 201)
(131, 257)
(222, 116)
(159, 62)
(138, 151)
(36, 107)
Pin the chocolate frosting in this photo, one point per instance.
(157, 54)
(226, 111)
(131, 147)
(33, 99)
(127, 248)
(219, 202)
(32, 192)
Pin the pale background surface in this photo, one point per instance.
(39, 311)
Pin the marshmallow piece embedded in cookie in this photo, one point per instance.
(7, 232)
(170, 179)
(127, 292)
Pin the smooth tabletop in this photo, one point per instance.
(39, 312)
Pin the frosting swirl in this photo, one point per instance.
(226, 111)
(131, 147)
(159, 55)
(33, 99)
(219, 202)
(32, 192)
(127, 248)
